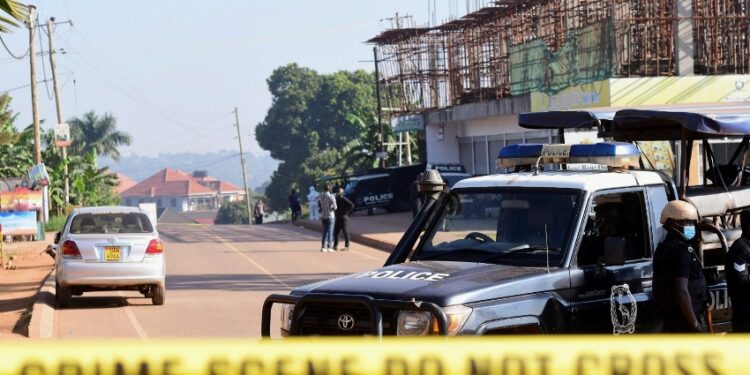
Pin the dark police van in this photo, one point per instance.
(386, 188)
(552, 251)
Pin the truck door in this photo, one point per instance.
(611, 271)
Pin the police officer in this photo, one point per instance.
(679, 284)
(738, 279)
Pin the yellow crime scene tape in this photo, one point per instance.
(579, 355)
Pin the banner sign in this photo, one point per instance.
(407, 123)
(38, 174)
(528, 355)
(18, 223)
(21, 199)
(62, 135)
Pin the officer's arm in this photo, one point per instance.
(683, 300)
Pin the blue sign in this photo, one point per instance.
(18, 223)
(407, 123)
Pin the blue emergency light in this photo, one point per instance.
(611, 154)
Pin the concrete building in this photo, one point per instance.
(181, 192)
(460, 85)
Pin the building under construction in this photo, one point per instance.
(512, 56)
(516, 47)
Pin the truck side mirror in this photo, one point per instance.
(431, 182)
(57, 237)
(614, 251)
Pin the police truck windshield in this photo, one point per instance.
(524, 227)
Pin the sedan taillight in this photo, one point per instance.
(155, 247)
(70, 250)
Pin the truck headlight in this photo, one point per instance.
(413, 323)
(420, 323)
(287, 311)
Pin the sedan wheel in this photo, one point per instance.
(157, 295)
(62, 296)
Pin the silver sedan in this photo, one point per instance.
(109, 248)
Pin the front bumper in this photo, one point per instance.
(372, 305)
(101, 274)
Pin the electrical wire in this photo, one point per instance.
(21, 87)
(11, 52)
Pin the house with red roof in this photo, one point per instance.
(181, 191)
(123, 183)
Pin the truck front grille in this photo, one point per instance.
(323, 320)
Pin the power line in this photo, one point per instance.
(21, 87)
(11, 52)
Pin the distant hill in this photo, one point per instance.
(224, 165)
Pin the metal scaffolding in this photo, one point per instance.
(513, 47)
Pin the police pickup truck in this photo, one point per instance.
(554, 251)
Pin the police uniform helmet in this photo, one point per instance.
(679, 211)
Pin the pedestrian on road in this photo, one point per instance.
(294, 205)
(738, 280)
(679, 284)
(312, 199)
(327, 208)
(259, 211)
(344, 207)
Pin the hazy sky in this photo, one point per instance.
(172, 71)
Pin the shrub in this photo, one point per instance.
(55, 224)
(232, 213)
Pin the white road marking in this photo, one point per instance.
(137, 326)
(254, 263)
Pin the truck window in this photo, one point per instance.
(615, 215)
(514, 226)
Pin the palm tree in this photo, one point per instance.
(97, 134)
(16, 11)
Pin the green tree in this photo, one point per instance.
(14, 11)
(98, 134)
(309, 128)
(16, 148)
(7, 132)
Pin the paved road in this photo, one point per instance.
(217, 279)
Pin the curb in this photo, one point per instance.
(43, 313)
(355, 237)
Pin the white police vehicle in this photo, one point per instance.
(555, 251)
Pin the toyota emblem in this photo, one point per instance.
(346, 322)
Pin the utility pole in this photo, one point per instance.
(34, 102)
(64, 149)
(380, 107)
(244, 172)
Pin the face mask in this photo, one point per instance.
(688, 232)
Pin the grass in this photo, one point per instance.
(55, 223)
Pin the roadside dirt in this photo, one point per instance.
(19, 287)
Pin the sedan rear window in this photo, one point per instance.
(111, 223)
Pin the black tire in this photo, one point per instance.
(370, 211)
(157, 295)
(62, 296)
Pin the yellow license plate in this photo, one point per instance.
(112, 253)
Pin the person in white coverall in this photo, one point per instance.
(312, 197)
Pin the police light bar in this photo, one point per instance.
(610, 154)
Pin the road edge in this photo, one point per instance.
(355, 237)
(41, 325)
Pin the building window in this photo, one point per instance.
(158, 202)
(173, 202)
